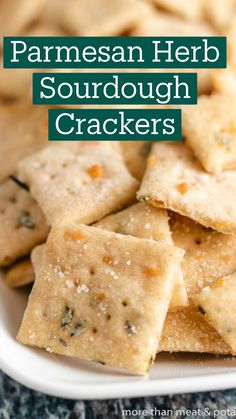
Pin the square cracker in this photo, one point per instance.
(83, 186)
(210, 131)
(144, 221)
(217, 304)
(22, 223)
(163, 24)
(92, 297)
(23, 130)
(20, 274)
(208, 256)
(100, 18)
(175, 180)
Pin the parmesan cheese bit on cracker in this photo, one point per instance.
(217, 305)
(178, 182)
(81, 185)
(98, 298)
(210, 131)
(145, 221)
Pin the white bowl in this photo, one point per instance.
(71, 378)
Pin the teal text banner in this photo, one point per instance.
(114, 52)
(118, 88)
(114, 124)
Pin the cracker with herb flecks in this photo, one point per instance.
(22, 223)
(23, 130)
(187, 331)
(20, 274)
(208, 256)
(135, 155)
(82, 187)
(217, 304)
(92, 297)
(210, 131)
(163, 24)
(145, 221)
(175, 180)
(100, 18)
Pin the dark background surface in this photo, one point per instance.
(16, 402)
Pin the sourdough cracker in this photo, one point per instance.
(208, 256)
(83, 186)
(217, 304)
(20, 274)
(144, 221)
(92, 297)
(210, 131)
(23, 129)
(22, 223)
(175, 180)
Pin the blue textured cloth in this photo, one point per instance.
(16, 402)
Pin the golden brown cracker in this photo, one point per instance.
(175, 180)
(92, 297)
(83, 186)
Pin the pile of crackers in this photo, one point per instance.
(131, 247)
